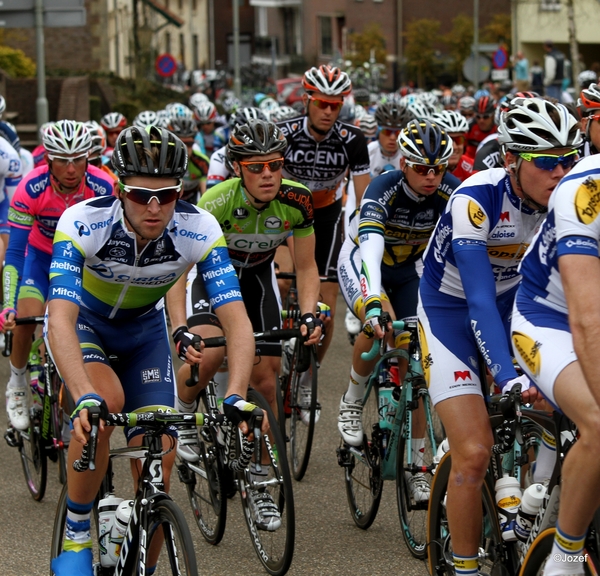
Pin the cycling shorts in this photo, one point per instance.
(261, 297)
(542, 343)
(328, 237)
(448, 346)
(36, 271)
(139, 351)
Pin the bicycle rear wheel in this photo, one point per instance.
(491, 550)
(302, 431)
(204, 483)
(362, 466)
(167, 523)
(275, 549)
(32, 451)
(58, 391)
(412, 503)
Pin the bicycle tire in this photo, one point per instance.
(362, 467)
(205, 485)
(275, 549)
(57, 426)
(413, 514)
(32, 452)
(439, 545)
(300, 433)
(177, 540)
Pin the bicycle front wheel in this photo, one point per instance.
(32, 451)
(362, 466)
(439, 542)
(303, 413)
(275, 548)
(168, 527)
(413, 485)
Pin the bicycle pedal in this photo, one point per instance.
(343, 457)
(185, 475)
(11, 438)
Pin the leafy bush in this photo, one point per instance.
(15, 63)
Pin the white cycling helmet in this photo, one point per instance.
(368, 125)
(534, 124)
(2, 106)
(205, 112)
(466, 104)
(146, 118)
(282, 113)
(197, 99)
(163, 117)
(421, 109)
(424, 142)
(113, 121)
(98, 136)
(327, 80)
(67, 137)
(451, 121)
(268, 104)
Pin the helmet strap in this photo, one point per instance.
(58, 187)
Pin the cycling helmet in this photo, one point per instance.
(392, 115)
(368, 125)
(98, 136)
(43, 128)
(180, 110)
(590, 99)
(424, 142)
(230, 104)
(361, 95)
(182, 126)
(244, 115)
(449, 101)
(283, 113)
(2, 106)
(327, 80)
(466, 104)
(481, 92)
(533, 124)
(197, 99)
(113, 121)
(149, 151)
(145, 118)
(347, 113)
(420, 110)
(451, 121)
(485, 105)
(255, 138)
(205, 112)
(458, 89)
(267, 104)
(586, 78)
(163, 117)
(66, 137)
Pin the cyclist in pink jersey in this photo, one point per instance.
(38, 203)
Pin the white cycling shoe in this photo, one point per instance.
(350, 422)
(18, 401)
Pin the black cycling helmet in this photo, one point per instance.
(256, 138)
(485, 105)
(424, 142)
(393, 115)
(245, 115)
(150, 151)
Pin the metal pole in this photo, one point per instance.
(575, 65)
(41, 103)
(237, 82)
(274, 58)
(476, 42)
(211, 34)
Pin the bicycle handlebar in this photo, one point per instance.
(292, 276)
(8, 337)
(378, 346)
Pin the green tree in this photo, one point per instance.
(498, 31)
(362, 43)
(421, 36)
(459, 41)
(15, 63)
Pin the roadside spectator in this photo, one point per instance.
(521, 69)
(554, 70)
(537, 78)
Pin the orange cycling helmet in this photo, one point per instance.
(327, 80)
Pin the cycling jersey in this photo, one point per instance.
(322, 166)
(11, 172)
(196, 173)
(221, 137)
(488, 154)
(218, 169)
(34, 214)
(464, 168)
(253, 235)
(470, 273)
(39, 156)
(394, 226)
(8, 132)
(96, 263)
(380, 162)
(475, 136)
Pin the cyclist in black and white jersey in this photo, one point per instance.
(320, 154)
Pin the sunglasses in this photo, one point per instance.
(483, 116)
(458, 140)
(551, 161)
(390, 132)
(259, 166)
(63, 162)
(324, 104)
(144, 195)
(425, 169)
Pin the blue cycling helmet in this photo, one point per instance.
(424, 142)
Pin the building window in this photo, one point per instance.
(326, 31)
(549, 4)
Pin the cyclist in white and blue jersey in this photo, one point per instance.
(554, 331)
(113, 260)
(467, 290)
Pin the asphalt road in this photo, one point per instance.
(327, 540)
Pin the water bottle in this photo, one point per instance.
(387, 403)
(508, 500)
(119, 527)
(107, 508)
(530, 504)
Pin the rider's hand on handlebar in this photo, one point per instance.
(7, 319)
(80, 422)
(186, 345)
(311, 327)
(529, 392)
(376, 323)
(238, 411)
